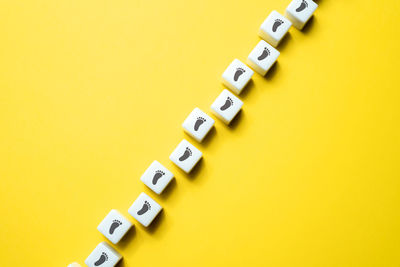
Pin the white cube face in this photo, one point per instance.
(274, 28)
(144, 209)
(300, 11)
(186, 156)
(103, 255)
(198, 124)
(114, 226)
(157, 177)
(262, 57)
(226, 106)
(74, 264)
(237, 76)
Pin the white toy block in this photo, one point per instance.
(226, 106)
(157, 177)
(262, 57)
(74, 264)
(237, 76)
(274, 28)
(144, 209)
(103, 255)
(198, 124)
(186, 156)
(300, 11)
(114, 226)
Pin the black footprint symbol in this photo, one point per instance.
(157, 176)
(302, 6)
(277, 23)
(265, 53)
(103, 258)
(114, 226)
(186, 154)
(239, 71)
(227, 104)
(199, 122)
(144, 209)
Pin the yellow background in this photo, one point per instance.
(93, 91)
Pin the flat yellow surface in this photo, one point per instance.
(93, 91)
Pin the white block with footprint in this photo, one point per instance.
(237, 76)
(300, 11)
(262, 57)
(144, 209)
(198, 124)
(186, 156)
(114, 226)
(226, 106)
(274, 28)
(103, 255)
(157, 177)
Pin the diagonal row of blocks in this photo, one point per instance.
(198, 124)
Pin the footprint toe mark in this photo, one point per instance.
(198, 123)
(103, 258)
(265, 53)
(186, 154)
(157, 176)
(302, 6)
(228, 103)
(276, 25)
(239, 71)
(114, 225)
(146, 206)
